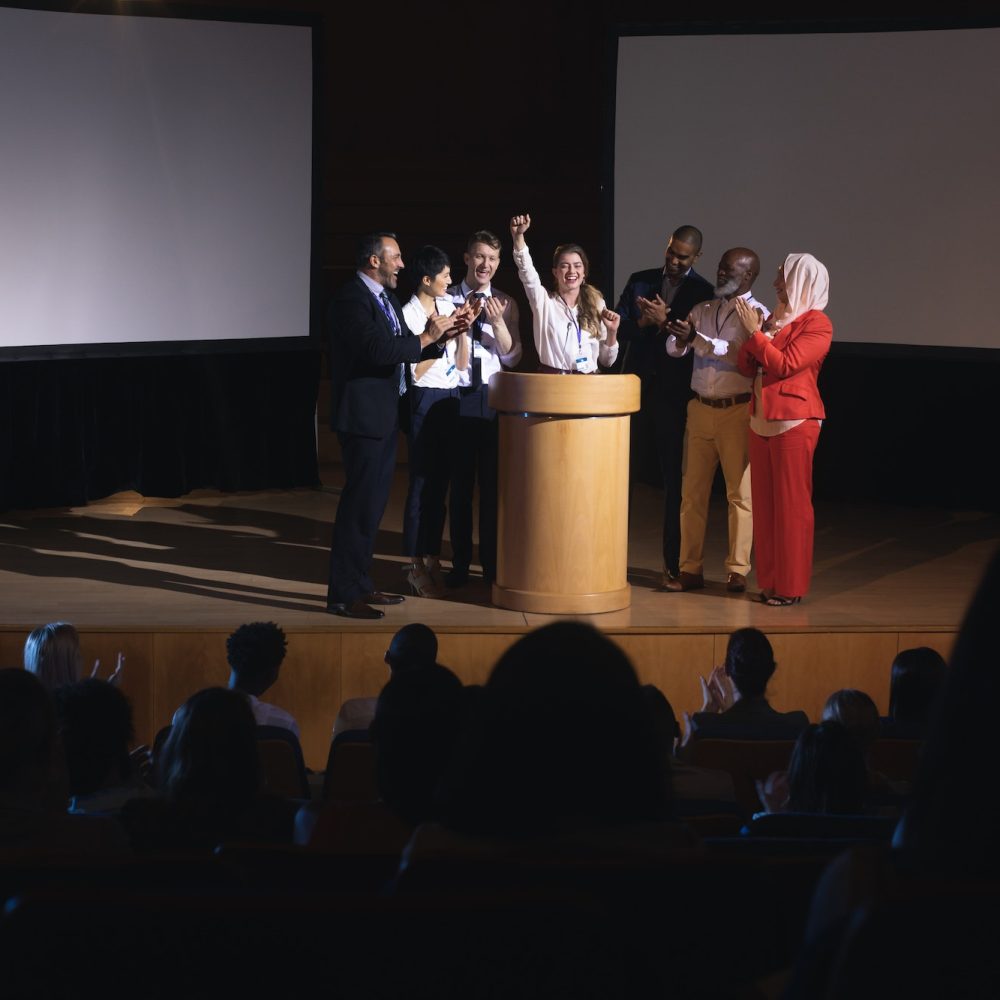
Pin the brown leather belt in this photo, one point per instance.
(549, 370)
(721, 404)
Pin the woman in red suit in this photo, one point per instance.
(784, 359)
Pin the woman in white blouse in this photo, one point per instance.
(433, 396)
(575, 332)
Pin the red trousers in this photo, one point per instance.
(781, 486)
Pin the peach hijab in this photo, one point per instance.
(807, 285)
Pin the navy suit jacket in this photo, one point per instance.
(646, 348)
(365, 359)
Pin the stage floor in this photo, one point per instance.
(211, 561)
(165, 581)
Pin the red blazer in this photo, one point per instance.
(791, 364)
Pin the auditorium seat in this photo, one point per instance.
(896, 759)
(817, 826)
(350, 768)
(746, 760)
(283, 768)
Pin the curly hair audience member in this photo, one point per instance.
(255, 653)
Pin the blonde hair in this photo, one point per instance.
(52, 654)
(588, 311)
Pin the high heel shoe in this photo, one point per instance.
(777, 601)
(420, 581)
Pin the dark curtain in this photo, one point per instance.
(79, 429)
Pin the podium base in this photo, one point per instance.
(562, 604)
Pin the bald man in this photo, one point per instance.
(718, 419)
(648, 298)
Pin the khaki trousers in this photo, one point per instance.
(713, 436)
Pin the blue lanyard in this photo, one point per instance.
(573, 322)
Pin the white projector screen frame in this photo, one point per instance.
(157, 177)
(876, 151)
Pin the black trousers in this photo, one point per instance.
(475, 457)
(668, 409)
(432, 440)
(369, 464)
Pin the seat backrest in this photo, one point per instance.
(350, 768)
(873, 829)
(896, 759)
(746, 760)
(283, 768)
(359, 828)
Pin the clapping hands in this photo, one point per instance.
(115, 677)
(493, 308)
(438, 326)
(717, 693)
(747, 315)
(652, 312)
(465, 315)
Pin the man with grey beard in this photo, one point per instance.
(717, 421)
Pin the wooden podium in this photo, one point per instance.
(562, 531)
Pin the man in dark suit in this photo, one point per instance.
(370, 348)
(496, 344)
(648, 298)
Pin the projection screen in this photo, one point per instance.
(156, 183)
(877, 152)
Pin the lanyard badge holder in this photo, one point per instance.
(583, 363)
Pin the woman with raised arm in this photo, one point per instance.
(784, 358)
(575, 332)
(433, 399)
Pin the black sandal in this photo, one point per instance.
(777, 601)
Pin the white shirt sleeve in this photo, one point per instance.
(532, 283)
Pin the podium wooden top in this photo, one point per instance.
(568, 395)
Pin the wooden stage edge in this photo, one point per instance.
(325, 666)
(165, 580)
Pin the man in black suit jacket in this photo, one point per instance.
(370, 348)
(648, 298)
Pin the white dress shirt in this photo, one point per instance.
(559, 339)
(716, 346)
(491, 360)
(265, 714)
(444, 373)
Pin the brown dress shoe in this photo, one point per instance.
(377, 597)
(355, 609)
(736, 583)
(685, 581)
